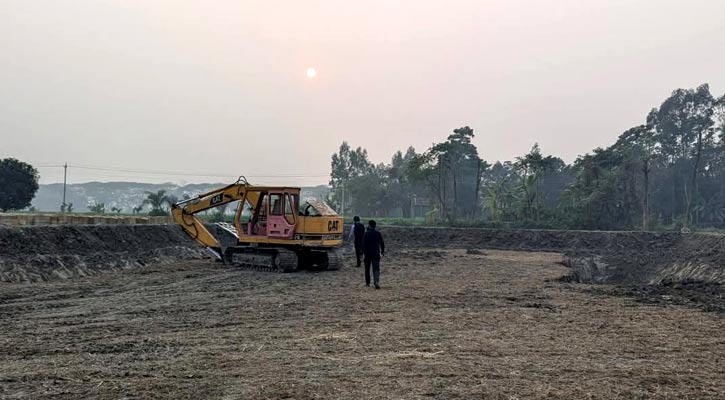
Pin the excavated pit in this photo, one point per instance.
(457, 317)
(43, 253)
(656, 268)
(593, 256)
(39, 253)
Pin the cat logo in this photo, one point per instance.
(332, 226)
(216, 199)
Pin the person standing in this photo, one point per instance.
(373, 249)
(356, 233)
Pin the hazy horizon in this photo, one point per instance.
(221, 88)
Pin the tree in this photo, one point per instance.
(97, 208)
(156, 201)
(68, 207)
(400, 190)
(603, 195)
(542, 180)
(116, 210)
(639, 143)
(529, 168)
(501, 192)
(683, 124)
(367, 194)
(451, 169)
(19, 183)
(346, 165)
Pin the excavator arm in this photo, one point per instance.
(184, 212)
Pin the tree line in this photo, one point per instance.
(156, 204)
(668, 172)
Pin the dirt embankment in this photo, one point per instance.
(41, 253)
(594, 256)
(557, 241)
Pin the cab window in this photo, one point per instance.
(276, 205)
(309, 210)
(289, 205)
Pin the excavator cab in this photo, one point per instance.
(274, 215)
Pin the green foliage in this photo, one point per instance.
(157, 201)
(451, 173)
(665, 174)
(366, 188)
(97, 208)
(532, 171)
(18, 184)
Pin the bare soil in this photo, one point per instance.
(706, 296)
(448, 324)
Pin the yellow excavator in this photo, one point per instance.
(271, 229)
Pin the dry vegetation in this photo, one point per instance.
(446, 325)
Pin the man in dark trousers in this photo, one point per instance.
(373, 248)
(357, 232)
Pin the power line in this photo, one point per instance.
(171, 173)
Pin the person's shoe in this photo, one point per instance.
(367, 284)
(377, 286)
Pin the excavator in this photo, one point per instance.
(271, 230)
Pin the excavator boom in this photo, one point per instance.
(184, 213)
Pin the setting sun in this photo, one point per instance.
(311, 73)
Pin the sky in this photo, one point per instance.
(199, 91)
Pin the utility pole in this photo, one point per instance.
(65, 178)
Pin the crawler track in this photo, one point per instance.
(284, 260)
(334, 260)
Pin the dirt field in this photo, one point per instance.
(446, 325)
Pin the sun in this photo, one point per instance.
(311, 73)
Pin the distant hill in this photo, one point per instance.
(126, 195)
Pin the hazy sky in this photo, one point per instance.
(219, 87)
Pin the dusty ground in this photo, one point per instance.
(446, 325)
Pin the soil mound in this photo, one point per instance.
(41, 253)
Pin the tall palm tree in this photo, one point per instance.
(156, 201)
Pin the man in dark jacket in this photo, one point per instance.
(356, 233)
(373, 248)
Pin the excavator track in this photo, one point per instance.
(287, 260)
(334, 259)
(267, 259)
